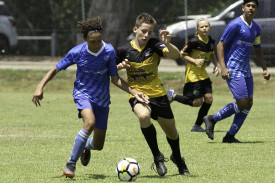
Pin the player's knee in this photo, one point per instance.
(208, 99)
(143, 116)
(197, 102)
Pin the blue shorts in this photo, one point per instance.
(101, 113)
(241, 87)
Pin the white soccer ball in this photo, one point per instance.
(127, 169)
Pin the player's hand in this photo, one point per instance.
(199, 62)
(225, 73)
(165, 37)
(123, 65)
(37, 96)
(141, 97)
(266, 74)
(216, 71)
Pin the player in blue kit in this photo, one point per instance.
(234, 50)
(96, 63)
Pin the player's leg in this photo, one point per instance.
(169, 128)
(244, 105)
(202, 94)
(162, 112)
(238, 88)
(97, 141)
(187, 97)
(143, 112)
(80, 141)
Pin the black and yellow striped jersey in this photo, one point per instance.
(198, 49)
(143, 72)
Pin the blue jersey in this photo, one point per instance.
(240, 39)
(93, 71)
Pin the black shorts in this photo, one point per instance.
(160, 107)
(197, 89)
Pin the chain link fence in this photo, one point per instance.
(57, 20)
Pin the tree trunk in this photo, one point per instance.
(113, 14)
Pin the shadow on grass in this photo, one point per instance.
(248, 142)
(96, 176)
(63, 177)
(166, 176)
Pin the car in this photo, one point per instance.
(265, 17)
(8, 32)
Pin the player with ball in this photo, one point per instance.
(141, 57)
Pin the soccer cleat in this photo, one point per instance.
(159, 162)
(171, 95)
(85, 157)
(183, 170)
(230, 139)
(69, 170)
(209, 126)
(197, 128)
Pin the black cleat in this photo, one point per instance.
(159, 162)
(69, 170)
(85, 157)
(183, 170)
(230, 139)
(209, 126)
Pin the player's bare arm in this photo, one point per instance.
(172, 51)
(38, 93)
(196, 62)
(260, 58)
(140, 96)
(216, 68)
(220, 51)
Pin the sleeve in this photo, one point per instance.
(157, 46)
(120, 55)
(189, 47)
(112, 64)
(230, 31)
(257, 41)
(66, 61)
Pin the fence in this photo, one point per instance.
(35, 28)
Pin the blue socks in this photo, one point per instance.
(89, 143)
(226, 112)
(79, 144)
(238, 121)
(229, 110)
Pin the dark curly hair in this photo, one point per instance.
(90, 24)
(145, 18)
(248, 1)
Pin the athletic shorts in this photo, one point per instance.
(241, 87)
(197, 89)
(101, 113)
(160, 107)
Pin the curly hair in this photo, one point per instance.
(90, 24)
(145, 18)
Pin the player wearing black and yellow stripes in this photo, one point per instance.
(141, 58)
(197, 91)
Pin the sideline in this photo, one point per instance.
(166, 65)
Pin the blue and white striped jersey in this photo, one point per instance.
(93, 71)
(240, 38)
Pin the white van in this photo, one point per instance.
(265, 18)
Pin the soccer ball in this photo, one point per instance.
(127, 169)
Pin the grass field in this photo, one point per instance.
(36, 142)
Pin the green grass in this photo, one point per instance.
(36, 142)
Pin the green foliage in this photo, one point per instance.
(36, 141)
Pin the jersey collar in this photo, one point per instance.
(246, 22)
(202, 39)
(97, 53)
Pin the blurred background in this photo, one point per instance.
(49, 27)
